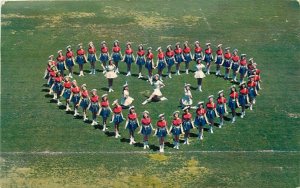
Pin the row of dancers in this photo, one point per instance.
(205, 113)
(234, 62)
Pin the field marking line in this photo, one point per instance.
(204, 18)
(142, 152)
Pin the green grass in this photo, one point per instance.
(31, 31)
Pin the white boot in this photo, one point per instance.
(104, 127)
(68, 108)
(187, 141)
(170, 76)
(160, 78)
(178, 72)
(130, 141)
(70, 75)
(133, 141)
(117, 70)
(242, 116)
(201, 137)
(145, 145)
(233, 119)
(251, 107)
(211, 129)
(160, 148)
(84, 117)
(145, 102)
(54, 96)
(81, 73)
(91, 71)
(140, 75)
(200, 88)
(187, 71)
(128, 74)
(58, 102)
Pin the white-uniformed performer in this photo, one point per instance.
(126, 100)
(110, 74)
(156, 93)
(199, 74)
(187, 99)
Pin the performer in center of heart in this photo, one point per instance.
(157, 95)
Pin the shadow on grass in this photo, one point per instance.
(139, 144)
(49, 96)
(127, 140)
(109, 134)
(45, 85)
(194, 135)
(104, 89)
(45, 90)
(153, 147)
(168, 144)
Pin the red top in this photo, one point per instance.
(256, 78)
(160, 56)
(234, 95)
(141, 53)
(176, 122)
(200, 111)
(95, 98)
(221, 100)
(68, 84)
(104, 103)
(75, 90)
(244, 91)
(161, 123)
(128, 51)
(117, 109)
(219, 52)
(92, 50)
(80, 52)
(85, 93)
(227, 55)
(60, 58)
(210, 105)
(208, 50)
(235, 58)
(69, 54)
(58, 79)
(52, 73)
(257, 71)
(146, 121)
(104, 49)
(150, 56)
(187, 116)
(116, 49)
(250, 66)
(243, 62)
(198, 50)
(187, 50)
(178, 51)
(132, 116)
(251, 84)
(170, 53)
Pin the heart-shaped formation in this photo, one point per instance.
(205, 113)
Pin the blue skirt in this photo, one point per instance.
(243, 100)
(67, 93)
(170, 61)
(116, 57)
(186, 125)
(69, 62)
(128, 59)
(219, 60)
(235, 66)
(232, 104)
(161, 132)
(210, 114)
(197, 56)
(80, 60)
(132, 125)
(176, 131)
(118, 119)
(76, 99)
(94, 108)
(187, 58)
(200, 121)
(207, 58)
(60, 66)
(161, 65)
(57, 88)
(103, 57)
(252, 93)
(243, 70)
(148, 65)
(221, 109)
(227, 63)
(51, 82)
(178, 58)
(105, 112)
(146, 130)
(92, 58)
(140, 61)
(84, 103)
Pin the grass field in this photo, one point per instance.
(41, 145)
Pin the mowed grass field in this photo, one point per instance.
(42, 146)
